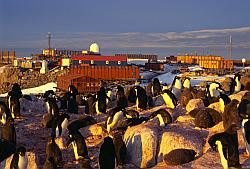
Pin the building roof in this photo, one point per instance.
(99, 58)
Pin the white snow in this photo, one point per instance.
(37, 90)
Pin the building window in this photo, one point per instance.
(119, 62)
(80, 62)
(92, 62)
(107, 62)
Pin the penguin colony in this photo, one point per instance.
(113, 152)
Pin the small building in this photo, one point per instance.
(99, 60)
(84, 84)
(150, 58)
(196, 59)
(171, 59)
(7, 57)
(156, 66)
(216, 64)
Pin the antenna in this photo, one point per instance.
(49, 43)
(230, 51)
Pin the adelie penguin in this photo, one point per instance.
(4, 113)
(8, 131)
(13, 101)
(7, 148)
(60, 124)
(79, 145)
(72, 104)
(243, 111)
(107, 154)
(156, 87)
(100, 104)
(227, 149)
(223, 100)
(81, 122)
(169, 99)
(177, 87)
(53, 152)
(163, 117)
(236, 85)
(20, 159)
(141, 98)
(120, 149)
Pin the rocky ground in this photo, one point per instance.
(146, 143)
(10, 75)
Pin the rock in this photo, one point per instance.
(194, 104)
(32, 161)
(178, 136)
(93, 130)
(179, 156)
(238, 95)
(186, 96)
(141, 142)
(244, 80)
(215, 106)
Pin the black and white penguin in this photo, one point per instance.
(132, 95)
(176, 87)
(163, 116)
(81, 122)
(8, 131)
(113, 119)
(224, 100)
(89, 104)
(60, 124)
(53, 152)
(13, 100)
(169, 99)
(100, 104)
(122, 101)
(156, 87)
(227, 149)
(243, 110)
(107, 154)
(4, 112)
(20, 159)
(109, 92)
(236, 85)
(120, 149)
(186, 83)
(141, 98)
(72, 104)
(7, 148)
(79, 145)
(230, 116)
(214, 89)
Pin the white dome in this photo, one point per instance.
(94, 48)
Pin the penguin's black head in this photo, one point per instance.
(49, 94)
(120, 89)
(225, 98)
(212, 141)
(16, 87)
(21, 150)
(156, 81)
(73, 89)
(237, 75)
(65, 116)
(243, 109)
(108, 140)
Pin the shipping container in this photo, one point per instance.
(154, 66)
(83, 84)
(107, 72)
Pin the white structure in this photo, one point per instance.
(94, 48)
(44, 68)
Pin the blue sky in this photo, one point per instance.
(161, 27)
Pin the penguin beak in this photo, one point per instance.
(69, 141)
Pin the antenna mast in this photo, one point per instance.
(49, 43)
(230, 51)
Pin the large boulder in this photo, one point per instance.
(186, 96)
(141, 142)
(180, 136)
(238, 95)
(93, 130)
(194, 104)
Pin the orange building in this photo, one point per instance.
(7, 57)
(195, 59)
(216, 64)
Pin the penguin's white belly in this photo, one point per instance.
(96, 107)
(244, 136)
(214, 93)
(47, 107)
(23, 162)
(117, 117)
(186, 84)
(137, 103)
(223, 160)
(162, 123)
(3, 120)
(168, 101)
(237, 87)
(64, 126)
(57, 132)
(75, 150)
(222, 105)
